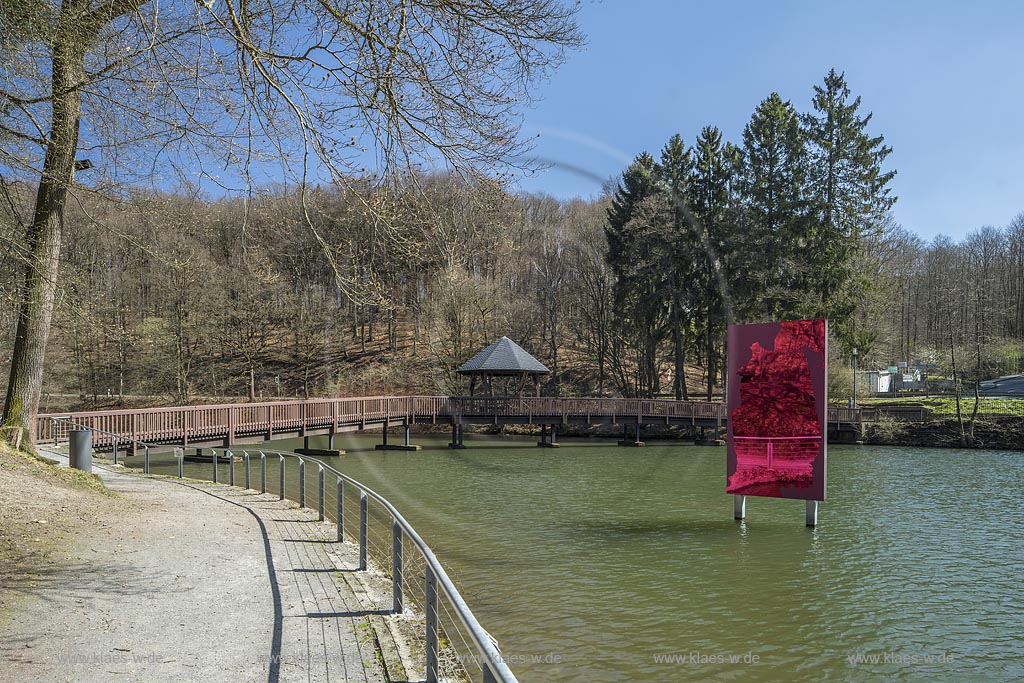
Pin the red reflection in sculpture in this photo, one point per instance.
(776, 404)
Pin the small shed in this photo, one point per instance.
(503, 358)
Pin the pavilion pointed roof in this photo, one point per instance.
(503, 357)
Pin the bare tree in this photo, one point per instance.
(231, 90)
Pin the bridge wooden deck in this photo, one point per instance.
(237, 423)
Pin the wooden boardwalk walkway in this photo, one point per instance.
(238, 423)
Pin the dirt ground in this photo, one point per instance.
(42, 509)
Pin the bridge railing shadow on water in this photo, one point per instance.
(450, 644)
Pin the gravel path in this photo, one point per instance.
(191, 581)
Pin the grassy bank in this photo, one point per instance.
(44, 508)
(941, 407)
(995, 432)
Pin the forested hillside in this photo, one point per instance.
(383, 288)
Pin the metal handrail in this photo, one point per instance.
(121, 437)
(495, 669)
(493, 665)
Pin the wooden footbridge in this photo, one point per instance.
(240, 423)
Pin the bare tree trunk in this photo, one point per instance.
(712, 369)
(679, 372)
(44, 234)
(956, 387)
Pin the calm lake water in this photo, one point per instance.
(597, 563)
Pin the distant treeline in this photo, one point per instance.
(364, 288)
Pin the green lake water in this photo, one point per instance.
(595, 563)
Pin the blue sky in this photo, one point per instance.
(944, 80)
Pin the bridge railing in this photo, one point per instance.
(583, 407)
(229, 421)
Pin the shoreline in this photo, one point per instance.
(1003, 433)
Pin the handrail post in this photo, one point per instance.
(281, 497)
(215, 463)
(363, 521)
(231, 467)
(430, 606)
(145, 462)
(320, 488)
(263, 472)
(302, 483)
(245, 456)
(340, 512)
(396, 566)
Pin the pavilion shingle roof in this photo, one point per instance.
(503, 356)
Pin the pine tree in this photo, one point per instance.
(636, 247)
(775, 173)
(709, 200)
(680, 268)
(639, 181)
(847, 188)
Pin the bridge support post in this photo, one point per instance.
(739, 507)
(548, 436)
(635, 442)
(714, 440)
(456, 436)
(305, 442)
(330, 440)
(407, 446)
(812, 513)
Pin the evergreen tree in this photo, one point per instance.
(709, 183)
(775, 174)
(709, 198)
(639, 181)
(636, 255)
(680, 269)
(847, 188)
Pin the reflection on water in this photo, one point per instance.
(598, 563)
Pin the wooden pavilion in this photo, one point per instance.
(504, 358)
